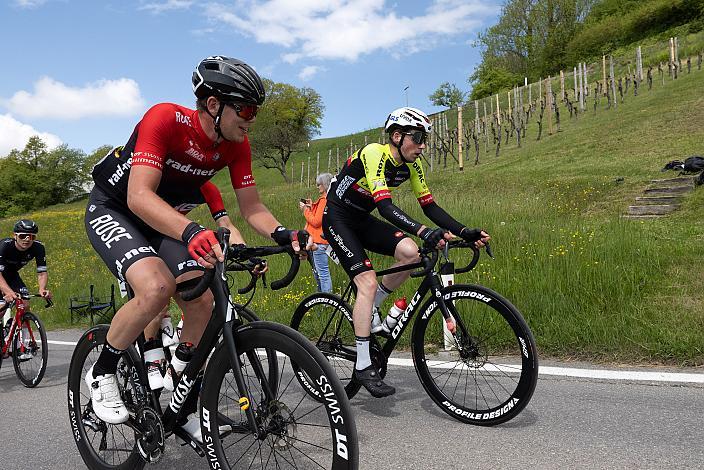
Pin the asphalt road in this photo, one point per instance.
(570, 423)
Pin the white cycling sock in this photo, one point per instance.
(363, 359)
(381, 294)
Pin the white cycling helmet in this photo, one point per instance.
(407, 118)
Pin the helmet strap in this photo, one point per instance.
(216, 120)
(398, 147)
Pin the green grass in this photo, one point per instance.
(590, 284)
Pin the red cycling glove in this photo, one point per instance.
(200, 240)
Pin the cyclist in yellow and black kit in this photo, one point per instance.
(363, 184)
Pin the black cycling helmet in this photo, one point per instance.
(25, 226)
(228, 80)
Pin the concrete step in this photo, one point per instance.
(642, 217)
(647, 200)
(679, 181)
(667, 191)
(661, 209)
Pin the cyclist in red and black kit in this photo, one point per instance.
(364, 184)
(132, 220)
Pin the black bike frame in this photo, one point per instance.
(431, 282)
(224, 318)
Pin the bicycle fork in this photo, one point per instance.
(458, 330)
(222, 297)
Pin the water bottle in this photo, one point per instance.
(168, 334)
(183, 354)
(154, 360)
(395, 312)
(179, 327)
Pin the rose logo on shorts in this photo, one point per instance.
(367, 263)
(398, 234)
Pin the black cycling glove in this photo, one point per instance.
(471, 235)
(432, 237)
(283, 236)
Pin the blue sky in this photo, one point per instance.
(84, 72)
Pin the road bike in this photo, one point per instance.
(253, 413)
(25, 338)
(484, 372)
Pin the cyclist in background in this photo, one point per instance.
(132, 222)
(363, 185)
(15, 253)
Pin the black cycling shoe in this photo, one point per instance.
(369, 377)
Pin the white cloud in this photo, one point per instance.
(52, 99)
(29, 3)
(309, 71)
(347, 29)
(15, 135)
(169, 5)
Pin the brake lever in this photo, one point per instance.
(446, 251)
(488, 250)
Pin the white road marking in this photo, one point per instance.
(643, 376)
(646, 376)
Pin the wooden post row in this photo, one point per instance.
(459, 137)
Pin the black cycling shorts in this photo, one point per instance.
(121, 238)
(349, 234)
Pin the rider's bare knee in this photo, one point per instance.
(154, 294)
(407, 251)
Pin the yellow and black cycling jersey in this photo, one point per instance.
(370, 174)
(365, 184)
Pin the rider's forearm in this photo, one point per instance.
(235, 235)
(42, 280)
(156, 213)
(261, 220)
(442, 219)
(396, 216)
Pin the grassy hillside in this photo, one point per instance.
(591, 284)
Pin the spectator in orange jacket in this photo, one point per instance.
(313, 212)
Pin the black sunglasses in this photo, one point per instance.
(245, 111)
(418, 137)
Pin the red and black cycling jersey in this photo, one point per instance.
(170, 138)
(209, 194)
(12, 259)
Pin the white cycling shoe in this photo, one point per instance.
(192, 427)
(105, 397)
(376, 321)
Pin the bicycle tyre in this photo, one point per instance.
(500, 391)
(84, 423)
(286, 419)
(326, 320)
(30, 370)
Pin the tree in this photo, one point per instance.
(289, 118)
(529, 40)
(448, 95)
(488, 80)
(36, 177)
